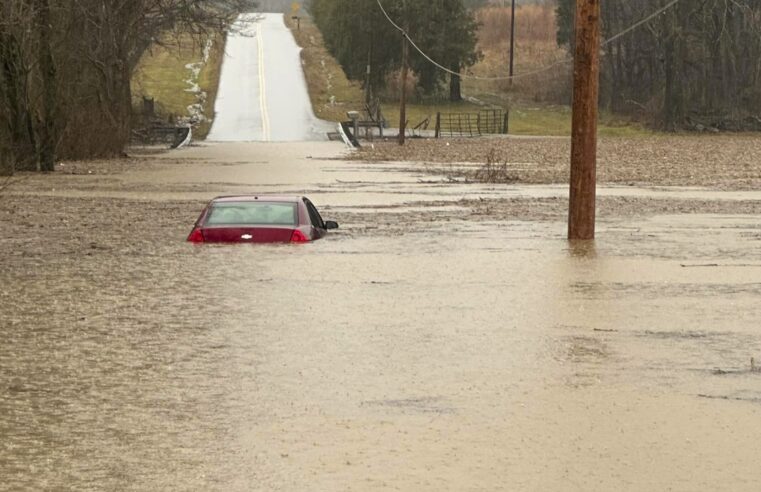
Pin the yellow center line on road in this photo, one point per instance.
(262, 87)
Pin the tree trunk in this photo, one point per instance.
(6, 110)
(125, 115)
(673, 104)
(15, 105)
(46, 153)
(455, 86)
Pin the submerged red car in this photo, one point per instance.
(260, 219)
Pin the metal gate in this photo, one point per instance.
(485, 122)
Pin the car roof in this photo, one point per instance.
(262, 197)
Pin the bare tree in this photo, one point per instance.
(48, 86)
(66, 67)
(698, 60)
(17, 135)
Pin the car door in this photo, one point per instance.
(318, 225)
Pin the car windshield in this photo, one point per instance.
(252, 213)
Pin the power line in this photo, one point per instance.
(533, 72)
(643, 21)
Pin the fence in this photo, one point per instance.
(485, 122)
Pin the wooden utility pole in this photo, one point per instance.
(403, 98)
(368, 74)
(512, 41)
(368, 71)
(586, 81)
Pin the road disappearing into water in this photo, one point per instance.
(262, 92)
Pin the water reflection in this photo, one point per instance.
(582, 249)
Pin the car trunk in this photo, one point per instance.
(272, 234)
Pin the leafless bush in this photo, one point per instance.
(494, 171)
(8, 181)
(535, 49)
(7, 166)
(393, 87)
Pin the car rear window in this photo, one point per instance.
(252, 213)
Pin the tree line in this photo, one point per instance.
(697, 62)
(66, 67)
(369, 48)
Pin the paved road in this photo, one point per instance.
(262, 93)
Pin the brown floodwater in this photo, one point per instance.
(411, 354)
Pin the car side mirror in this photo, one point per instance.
(329, 224)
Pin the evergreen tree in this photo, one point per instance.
(565, 11)
(358, 34)
(452, 43)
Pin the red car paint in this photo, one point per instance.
(301, 223)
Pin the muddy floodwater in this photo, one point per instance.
(424, 346)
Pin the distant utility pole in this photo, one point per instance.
(403, 98)
(368, 72)
(368, 95)
(512, 41)
(586, 81)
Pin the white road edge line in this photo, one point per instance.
(262, 87)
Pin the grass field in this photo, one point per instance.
(162, 74)
(332, 94)
(524, 120)
(556, 121)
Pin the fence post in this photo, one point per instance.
(506, 124)
(438, 124)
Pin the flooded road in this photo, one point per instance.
(412, 350)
